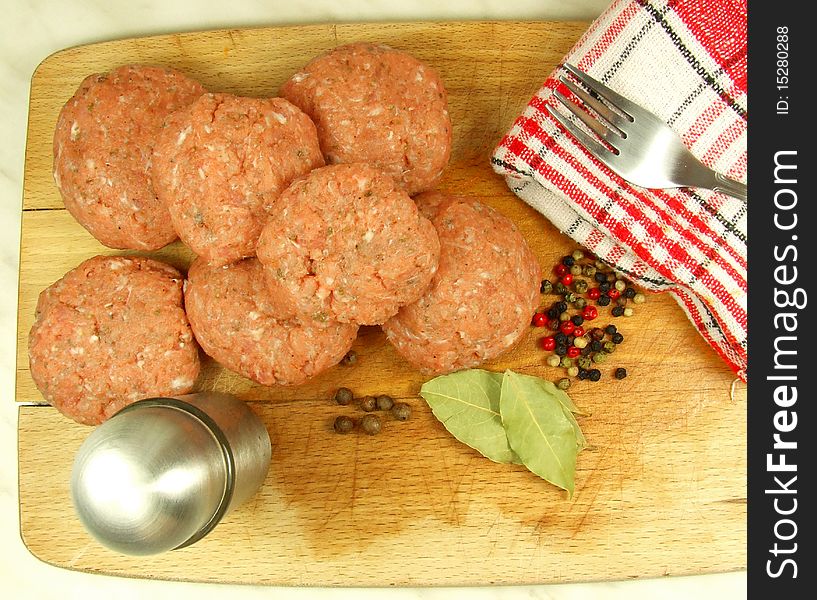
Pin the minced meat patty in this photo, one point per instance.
(480, 300)
(345, 243)
(220, 164)
(102, 153)
(377, 105)
(112, 331)
(235, 323)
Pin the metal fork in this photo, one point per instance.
(646, 151)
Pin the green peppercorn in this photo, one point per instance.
(580, 303)
(370, 424)
(344, 396)
(566, 362)
(559, 288)
(608, 347)
(600, 266)
(570, 297)
(344, 424)
(553, 360)
(580, 342)
(563, 383)
(581, 286)
(611, 277)
(577, 254)
(588, 270)
(599, 357)
(545, 287)
(639, 298)
(585, 362)
(620, 285)
(573, 371)
(401, 411)
(628, 312)
(384, 402)
(368, 403)
(564, 316)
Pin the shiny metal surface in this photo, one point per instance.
(645, 150)
(161, 473)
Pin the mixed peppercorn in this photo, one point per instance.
(576, 345)
(369, 423)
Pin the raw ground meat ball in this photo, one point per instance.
(235, 323)
(483, 294)
(110, 332)
(345, 243)
(377, 105)
(220, 164)
(102, 153)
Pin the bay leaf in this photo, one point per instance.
(467, 404)
(569, 407)
(538, 429)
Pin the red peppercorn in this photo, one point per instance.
(567, 279)
(594, 293)
(574, 352)
(589, 313)
(567, 327)
(613, 293)
(560, 270)
(548, 343)
(578, 332)
(540, 319)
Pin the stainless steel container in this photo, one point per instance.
(161, 473)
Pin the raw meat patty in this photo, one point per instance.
(220, 164)
(481, 299)
(235, 323)
(102, 153)
(110, 332)
(345, 243)
(377, 105)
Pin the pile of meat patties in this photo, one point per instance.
(311, 214)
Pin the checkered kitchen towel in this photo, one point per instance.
(685, 61)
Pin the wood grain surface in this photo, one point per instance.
(660, 491)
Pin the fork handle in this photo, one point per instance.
(730, 187)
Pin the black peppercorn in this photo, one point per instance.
(583, 373)
(621, 373)
(604, 287)
(552, 312)
(344, 396)
(594, 375)
(610, 329)
(561, 306)
(577, 320)
(554, 323)
(344, 424)
(568, 261)
(617, 311)
(617, 338)
(597, 333)
(586, 350)
(595, 346)
(600, 277)
(560, 338)
(560, 349)
(570, 339)
(603, 300)
(628, 292)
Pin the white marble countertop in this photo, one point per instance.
(30, 31)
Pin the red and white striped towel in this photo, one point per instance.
(685, 61)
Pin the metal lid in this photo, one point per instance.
(156, 476)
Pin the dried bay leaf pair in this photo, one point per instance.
(510, 418)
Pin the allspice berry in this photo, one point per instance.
(368, 403)
(344, 424)
(370, 424)
(401, 411)
(384, 402)
(344, 396)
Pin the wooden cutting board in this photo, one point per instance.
(661, 490)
